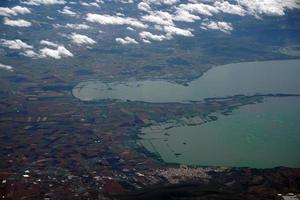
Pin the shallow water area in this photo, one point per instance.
(227, 80)
(261, 135)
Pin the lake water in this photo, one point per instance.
(259, 135)
(228, 80)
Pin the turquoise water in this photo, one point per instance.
(262, 135)
(228, 80)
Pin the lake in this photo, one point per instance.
(227, 80)
(262, 135)
(259, 135)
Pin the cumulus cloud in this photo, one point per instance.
(115, 20)
(130, 29)
(159, 17)
(160, 2)
(126, 40)
(199, 8)
(144, 6)
(14, 11)
(78, 26)
(6, 67)
(73, 26)
(95, 4)
(15, 44)
(89, 4)
(30, 53)
(185, 16)
(82, 39)
(20, 10)
(146, 36)
(48, 43)
(58, 53)
(17, 22)
(67, 11)
(226, 7)
(269, 7)
(43, 2)
(172, 30)
(126, 1)
(221, 26)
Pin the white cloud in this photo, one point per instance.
(120, 14)
(78, 26)
(172, 30)
(126, 40)
(14, 11)
(159, 17)
(60, 52)
(82, 39)
(30, 53)
(50, 18)
(6, 67)
(56, 52)
(269, 7)
(146, 36)
(144, 6)
(130, 29)
(43, 2)
(160, 2)
(184, 16)
(126, 1)
(15, 44)
(48, 43)
(199, 8)
(21, 10)
(221, 26)
(89, 4)
(84, 3)
(95, 4)
(115, 20)
(73, 26)
(67, 11)
(226, 7)
(18, 22)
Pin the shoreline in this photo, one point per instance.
(209, 118)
